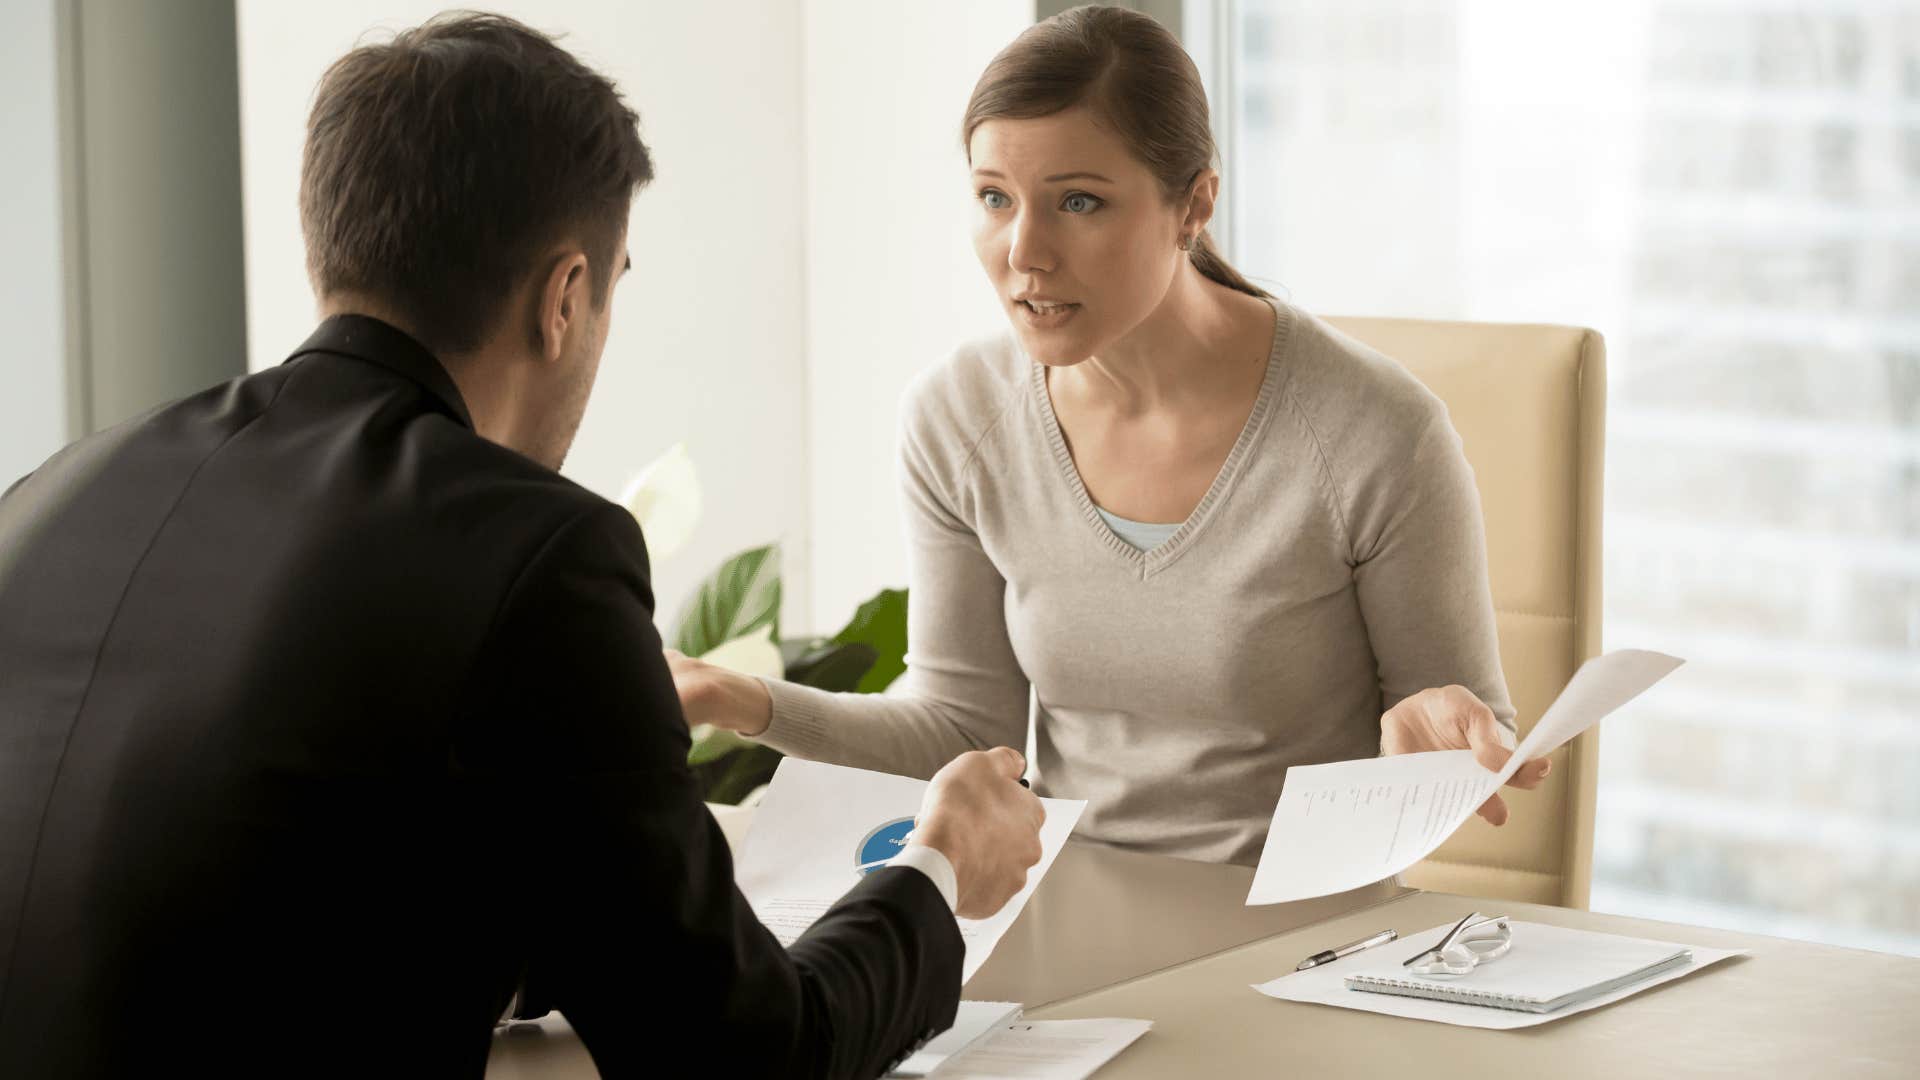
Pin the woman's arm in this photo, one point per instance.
(963, 688)
(1420, 571)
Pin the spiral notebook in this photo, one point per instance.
(1548, 969)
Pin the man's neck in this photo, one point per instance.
(372, 308)
(483, 384)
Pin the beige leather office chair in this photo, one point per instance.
(1529, 402)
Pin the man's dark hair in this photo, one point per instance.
(440, 164)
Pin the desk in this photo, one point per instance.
(1103, 915)
(1790, 1009)
(1100, 917)
(1113, 933)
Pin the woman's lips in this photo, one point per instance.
(1046, 315)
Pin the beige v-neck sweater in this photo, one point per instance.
(1336, 565)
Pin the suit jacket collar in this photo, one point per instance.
(366, 338)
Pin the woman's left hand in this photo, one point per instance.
(1452, 718)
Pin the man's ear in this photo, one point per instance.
(563, 302)
(1201, 195)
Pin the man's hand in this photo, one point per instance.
(987, 825)
(710, 694)
(1451, 718)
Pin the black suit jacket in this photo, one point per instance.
(324, 722)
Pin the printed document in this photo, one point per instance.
(1349, 823)
(820, 828)
(1044, 1050)
(974, 1023)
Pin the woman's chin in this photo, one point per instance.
(1052, 350)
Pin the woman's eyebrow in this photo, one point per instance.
(1054, 179)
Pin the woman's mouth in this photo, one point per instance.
(1046, 314)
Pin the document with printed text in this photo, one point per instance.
(974, 1023)
(1045, 1050)
(820, 828)
(1349, 823)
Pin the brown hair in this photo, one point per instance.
(440, 164)
(1138, 81)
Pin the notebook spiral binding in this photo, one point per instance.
(1375, 985)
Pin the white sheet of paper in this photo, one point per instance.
(974, 1022)
(818, 825)
(1349, 823)
(1045, 1050)
(1326, 985)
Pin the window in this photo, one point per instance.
(1730, 192)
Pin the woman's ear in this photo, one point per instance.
(1201, 195)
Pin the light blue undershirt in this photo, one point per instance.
(1140, 534)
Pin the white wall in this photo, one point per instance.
(801, 255)
(707, 338)
(33, 367)
(892, 282)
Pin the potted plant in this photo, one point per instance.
(733, 620)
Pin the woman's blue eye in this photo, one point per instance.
(988, 197)
(1080, 203)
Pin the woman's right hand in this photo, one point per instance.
(710, 694)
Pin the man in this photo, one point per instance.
(332, 717)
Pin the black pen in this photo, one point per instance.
(1348, 949)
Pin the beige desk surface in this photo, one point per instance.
(1100, 917)
(1789, 1009)
(1103, 916)
(1171, 941)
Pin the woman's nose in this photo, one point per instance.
(1030, 250)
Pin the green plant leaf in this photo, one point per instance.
(741, 596)
(835, 666)
(880, 623)
(741, 772)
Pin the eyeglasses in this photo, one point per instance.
(1474, 940)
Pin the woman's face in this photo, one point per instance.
(1072, 230)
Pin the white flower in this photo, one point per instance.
(752, 653)
(665, 500)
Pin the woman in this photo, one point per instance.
(1214, 537)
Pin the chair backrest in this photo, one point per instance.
(1529, 403)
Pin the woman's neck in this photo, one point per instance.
(1193, 351)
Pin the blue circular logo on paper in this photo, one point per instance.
(880, 845)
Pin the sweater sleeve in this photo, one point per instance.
(963, 688)
(1420, 570)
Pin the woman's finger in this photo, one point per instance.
(1528, 776)
(1485, 736)
(1494, 810)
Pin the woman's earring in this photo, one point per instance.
(1186, 243)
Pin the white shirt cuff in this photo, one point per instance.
(933, 864)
